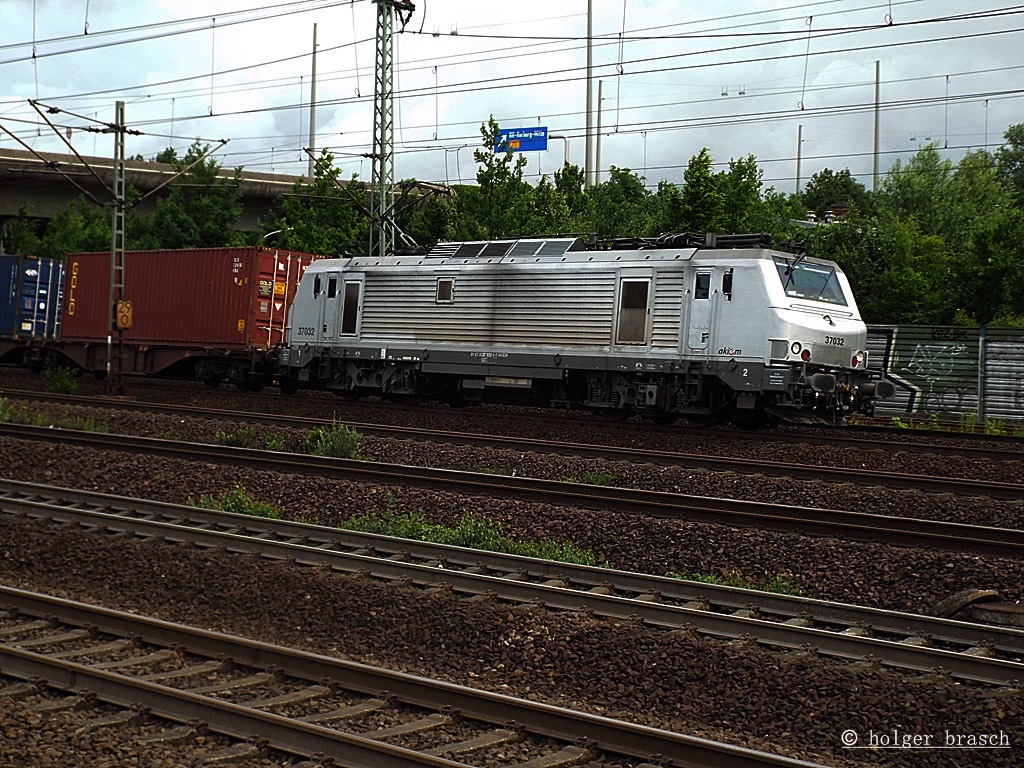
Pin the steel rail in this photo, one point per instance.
(903, 655)
(956, 537)
(29, 497)
(222, 717)
(962, 486)
(609, 735)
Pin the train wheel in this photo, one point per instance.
(211, 380)
(614, 414)
(289, 386)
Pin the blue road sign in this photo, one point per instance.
(522, 139)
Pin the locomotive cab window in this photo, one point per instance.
(350, 310)
(445, 290)
(803, 279)
(332, 287)
(702, 285)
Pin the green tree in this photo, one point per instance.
(667, 209)
(1010, 163)
(740, 188)
(200, 211)
(570, 182)
(897, 273)
(700, 199)
(82, 226)
(22, 234)
(549, 211)
(828, 190)
(501, 204)
(619, 206)
(990, 281)
(917, 190)
(320, 217)
(774, 214)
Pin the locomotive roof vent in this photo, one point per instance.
(499, 249)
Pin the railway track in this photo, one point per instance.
(307, 704)
(956, 537)
(967, 651)
(872, 477)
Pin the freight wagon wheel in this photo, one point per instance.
(614, 414)
(288, 385)
(251, 382)
(212, 380)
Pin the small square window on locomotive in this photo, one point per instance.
(445, 290)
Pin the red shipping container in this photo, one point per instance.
(185, 303)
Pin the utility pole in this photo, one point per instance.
(119, 309)
(312, 112)
(799, 145)
(382, 181)
(588, 163)
(597, 152)
(874, 182)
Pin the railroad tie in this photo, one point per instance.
(304, 694)
(65, 704)
(236, 754)
(18, 628)
(429, 723)
(19, 691)
(176, 674)
(566, 756)
(149, 658)
(63, 637)
(342, 713)
(477, 743)
(95, 650)
(174, 737)
(233, 685)
(118, 719)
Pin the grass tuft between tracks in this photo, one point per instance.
(238, 502)
(472, 532)
(20, 414)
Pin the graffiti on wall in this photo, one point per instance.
(937, 366)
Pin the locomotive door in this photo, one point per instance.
(328, 308)
(700, 310)
(634, 311)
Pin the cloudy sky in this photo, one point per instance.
(740, 77)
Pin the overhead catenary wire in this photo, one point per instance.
(467, 85)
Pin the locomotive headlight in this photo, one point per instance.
(858, 360)
(805, 355)
(795, 347)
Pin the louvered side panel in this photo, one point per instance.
(490, 307)
(668, 303)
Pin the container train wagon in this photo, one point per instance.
(30, 299)
(215, 313)
(675, 327)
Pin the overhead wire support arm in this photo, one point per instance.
(109, 129)
(182, 172)
(53, 166)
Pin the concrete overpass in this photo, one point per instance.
(34, 183)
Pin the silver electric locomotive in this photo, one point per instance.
(684, 326)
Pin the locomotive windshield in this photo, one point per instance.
(804, 280)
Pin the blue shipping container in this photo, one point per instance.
(9, 268)
(30, 297)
